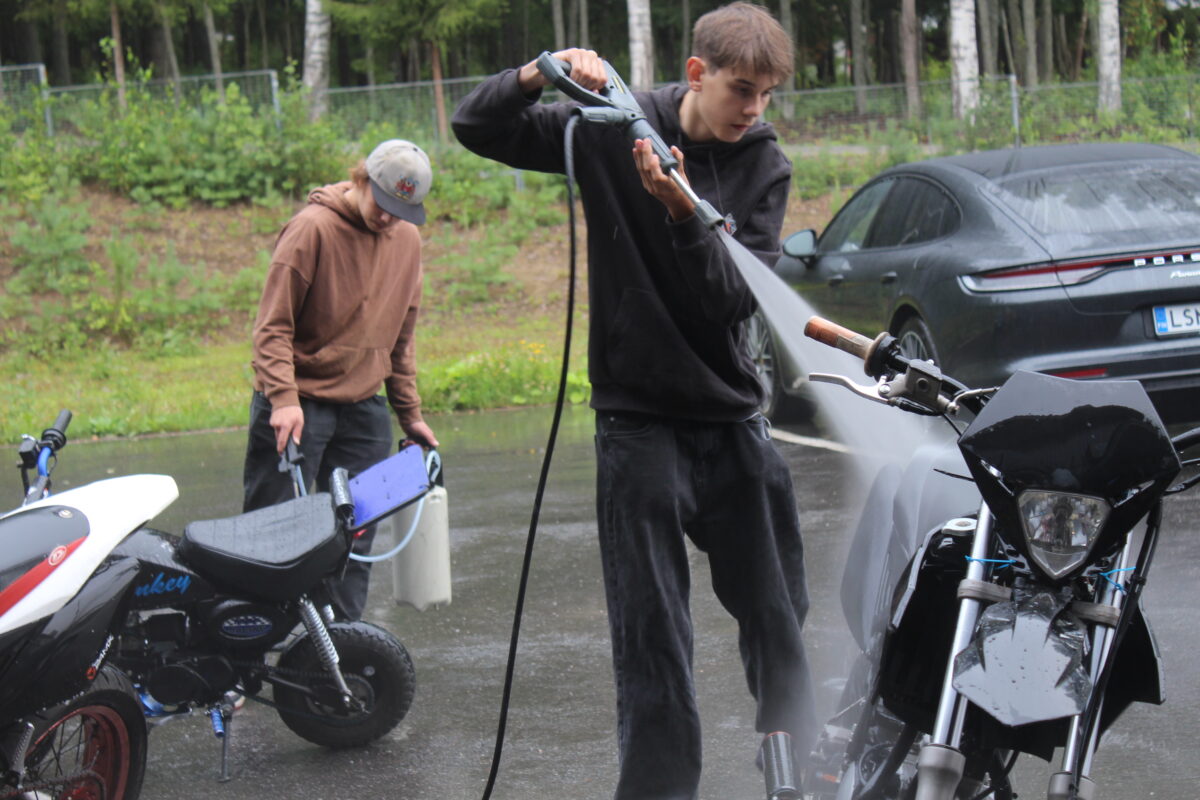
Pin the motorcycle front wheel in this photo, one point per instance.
(90, 748)
(377, 670)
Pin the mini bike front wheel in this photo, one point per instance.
(378, 671)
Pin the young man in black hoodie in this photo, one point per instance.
(681, 448)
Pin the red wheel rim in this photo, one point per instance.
(83, 756)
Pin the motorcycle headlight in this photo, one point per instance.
(1061, 528)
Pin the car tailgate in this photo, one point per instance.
(1122, 284)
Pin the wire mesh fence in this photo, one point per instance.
(21, 88)
(408, 109)
(1153, 109)
(259, 87)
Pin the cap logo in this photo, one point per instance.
(405, 187)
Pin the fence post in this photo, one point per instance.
(45, 85)
(1015, 100)
(275, 100)
(1191, 109)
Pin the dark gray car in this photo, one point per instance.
(1077, 260)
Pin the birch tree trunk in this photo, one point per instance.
(641, 45)
(316, 56)
(964, 59)
(118, 53)
(214, 50)
(909, 62)
(1108, 57)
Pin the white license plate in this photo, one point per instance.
(1177, 319)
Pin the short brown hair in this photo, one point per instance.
(746, 36)
(358, 173)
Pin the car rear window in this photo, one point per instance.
(1106, 199)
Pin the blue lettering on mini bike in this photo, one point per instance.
(163, 585)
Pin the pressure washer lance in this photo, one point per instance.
(615, 105)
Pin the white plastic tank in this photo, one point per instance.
(421, 571)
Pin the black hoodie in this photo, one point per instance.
(666, 300)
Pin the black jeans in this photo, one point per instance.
(350, 435)
(725, 487)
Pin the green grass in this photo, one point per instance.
(124, 392)
(463, 364)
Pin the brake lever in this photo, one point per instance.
(896, 392)
(868, 392)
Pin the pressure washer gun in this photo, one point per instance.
(289, 461)
(615, 105)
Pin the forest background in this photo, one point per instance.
(142, 180)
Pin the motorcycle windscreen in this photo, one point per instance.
(1025, 663)
(1100, 438)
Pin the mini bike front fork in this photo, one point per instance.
(328, 654)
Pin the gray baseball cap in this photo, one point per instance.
(400, 178)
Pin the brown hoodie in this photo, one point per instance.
(339, 309)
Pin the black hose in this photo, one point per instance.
(545, 473)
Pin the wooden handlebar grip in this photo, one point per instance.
(835, 335)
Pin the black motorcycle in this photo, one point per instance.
(1011, 623)
(93, 600)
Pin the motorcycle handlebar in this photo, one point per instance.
(834, 335)
(55, 437)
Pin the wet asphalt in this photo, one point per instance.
(560, 741)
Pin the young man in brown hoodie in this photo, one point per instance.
(336, 320)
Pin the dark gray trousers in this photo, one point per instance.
(350, 435)
(725, 487)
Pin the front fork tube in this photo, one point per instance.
(940, 764)
(315, 625)
(1077, 752)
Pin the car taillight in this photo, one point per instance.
(1036, 276)
(1067, 273)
